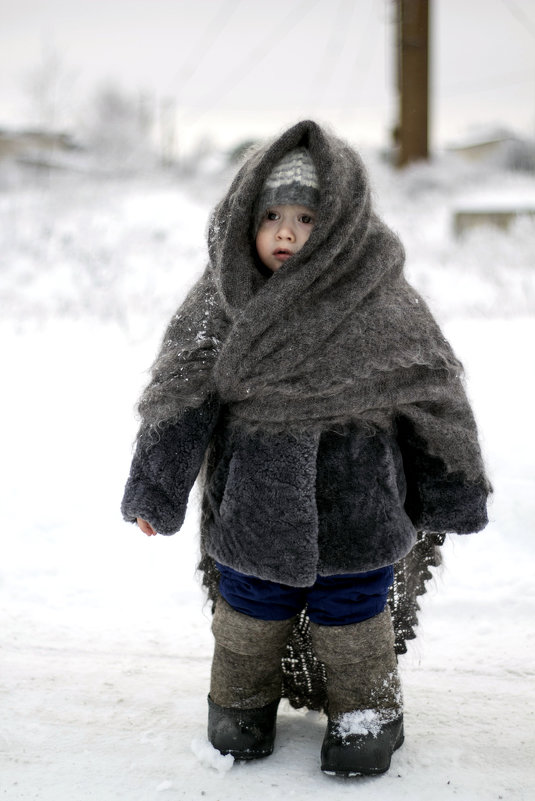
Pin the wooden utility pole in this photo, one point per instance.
(411, 133)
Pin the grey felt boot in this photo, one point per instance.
(365, 709)
(246, 681)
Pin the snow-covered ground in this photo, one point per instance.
(106, 640)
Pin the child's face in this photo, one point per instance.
(283, 231)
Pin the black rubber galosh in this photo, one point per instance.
(360, 754)
(244, 733)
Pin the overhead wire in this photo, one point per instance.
(487, 84)
(362, 59)
(280, 30)
(334, 47)
(205, 42)
(521, 16)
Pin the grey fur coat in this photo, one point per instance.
(322, 407)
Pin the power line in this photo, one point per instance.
(487, 84)
(361, 62)
(521, 16)
(206, 41)
(279, 31)
(335, 45)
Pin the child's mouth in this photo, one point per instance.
(281, 254)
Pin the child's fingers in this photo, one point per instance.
(145, 527)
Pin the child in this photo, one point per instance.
(314, 387)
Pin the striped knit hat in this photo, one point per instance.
(292, 181)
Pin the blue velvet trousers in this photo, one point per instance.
(331, 601)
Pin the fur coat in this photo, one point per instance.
(284, 507)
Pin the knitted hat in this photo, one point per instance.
(292, 181)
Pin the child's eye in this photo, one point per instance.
(307, 219)
(272, 215)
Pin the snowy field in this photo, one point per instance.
(106, 639)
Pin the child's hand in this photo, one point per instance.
(145, 527)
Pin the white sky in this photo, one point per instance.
(237, 67)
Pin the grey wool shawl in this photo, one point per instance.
(336, 335)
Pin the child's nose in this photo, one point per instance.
(285, 231)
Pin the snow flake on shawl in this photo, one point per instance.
(182, 372)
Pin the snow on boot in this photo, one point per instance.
(365, 711)
(361, 743)
(246, 682)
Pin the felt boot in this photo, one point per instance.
(365, 711)
(246, 682)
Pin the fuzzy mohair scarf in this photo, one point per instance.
(335, 335)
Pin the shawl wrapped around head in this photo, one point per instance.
(335, 335)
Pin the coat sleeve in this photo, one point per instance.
(439, 500)
(166, 463)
